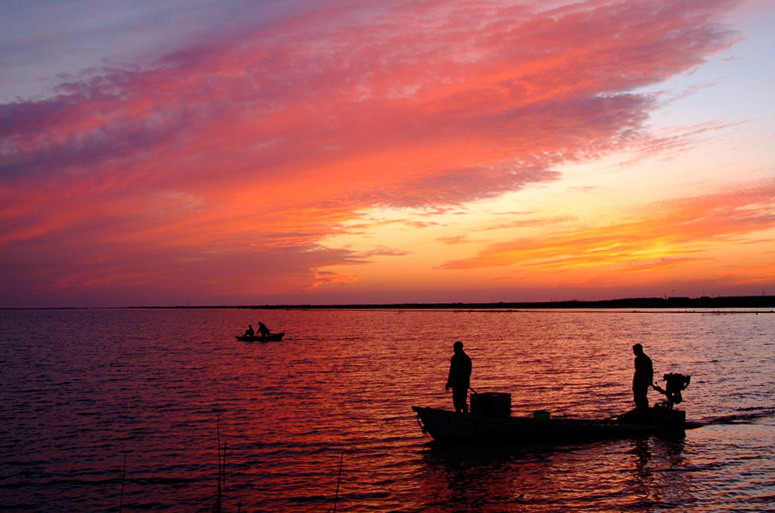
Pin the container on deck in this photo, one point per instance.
(491, 404)
(542, 415)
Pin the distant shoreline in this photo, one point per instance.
(645, 303)
(653, 303)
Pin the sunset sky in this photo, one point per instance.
(228, 152)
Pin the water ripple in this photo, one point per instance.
(83, 389)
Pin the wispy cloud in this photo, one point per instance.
(240, 153)
(664, 234)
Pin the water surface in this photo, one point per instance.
(85, 390)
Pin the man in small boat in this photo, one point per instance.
(459, 379)
(643, 377)
(263, 330)
(249, 332)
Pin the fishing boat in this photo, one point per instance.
(490, 420)
(272, 337)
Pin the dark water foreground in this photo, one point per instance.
(83, 391)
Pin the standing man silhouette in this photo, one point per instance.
(459, 378)
(643, 377)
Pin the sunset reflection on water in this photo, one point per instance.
(86, 388)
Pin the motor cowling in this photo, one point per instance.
(674, 384)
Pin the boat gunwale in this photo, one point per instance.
(485, 429)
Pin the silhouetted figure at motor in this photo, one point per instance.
(643, 377)
(263, 330)
(459, 378)
(249, 332)
(674, 385)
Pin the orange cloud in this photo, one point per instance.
(238, 156)
(683, 233)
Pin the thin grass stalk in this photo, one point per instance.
(218, 497)
(338, 482)
(123, 480)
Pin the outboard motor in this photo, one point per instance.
(674, 384)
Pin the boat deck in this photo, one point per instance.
(448, 426)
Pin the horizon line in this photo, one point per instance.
(763, 301)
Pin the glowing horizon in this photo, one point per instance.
(331, 152)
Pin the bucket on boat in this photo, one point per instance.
(491, 404)
(542, 415)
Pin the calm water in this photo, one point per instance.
(85, 390)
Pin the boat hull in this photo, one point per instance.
(274, 337)
(447, 426)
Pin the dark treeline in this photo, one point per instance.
(653, 302)
(704, 302)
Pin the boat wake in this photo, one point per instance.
(747, 416)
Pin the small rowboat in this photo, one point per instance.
(450, 427)
(272, 337)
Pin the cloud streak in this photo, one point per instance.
(246, 150)
(685, 233)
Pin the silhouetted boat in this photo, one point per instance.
(272, 337)
(448, 426)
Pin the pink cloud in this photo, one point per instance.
(266, 141)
